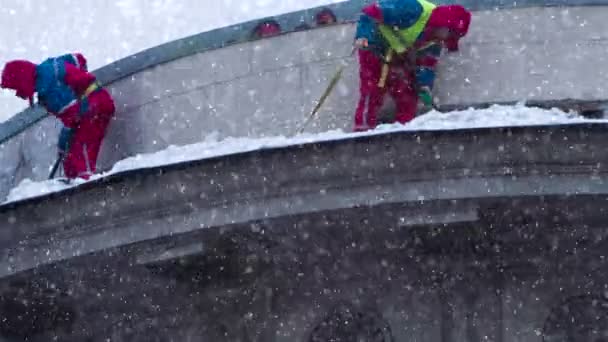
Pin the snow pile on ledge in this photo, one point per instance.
(495, 116)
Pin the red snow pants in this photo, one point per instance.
(81, 158)
(399, 85)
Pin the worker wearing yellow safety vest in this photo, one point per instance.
(399, 43)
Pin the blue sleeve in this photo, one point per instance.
(366, 28)
(425, 76)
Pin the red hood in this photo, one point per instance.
(373, 11)
(454, 17)
(20, 75)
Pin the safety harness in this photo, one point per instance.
(399, 40)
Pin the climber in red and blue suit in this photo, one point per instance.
(68, 91)
(399, 43)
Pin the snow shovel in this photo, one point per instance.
(55, 167)
(61, 157)
(330, 87)
(332, 83)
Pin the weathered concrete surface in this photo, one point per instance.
(279, 280)
(267, 87)
(28, 155)
(472, 235)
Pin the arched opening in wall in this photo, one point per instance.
(578, 318)
(345, 322)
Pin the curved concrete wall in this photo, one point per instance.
(267, 87)
(473, 235)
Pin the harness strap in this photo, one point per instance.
(90, 90)
(385, 68)
(84, 98)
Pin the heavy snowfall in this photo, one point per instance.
(108, 31)
(223, 209)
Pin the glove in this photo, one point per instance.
(424, 94)
(361, 43)
(65, 137)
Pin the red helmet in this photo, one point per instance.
(454, 17)
(267, 28)
(20, 75)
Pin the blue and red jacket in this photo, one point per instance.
(54, 93)
(396, 13)
(62, 87)
(401, 14)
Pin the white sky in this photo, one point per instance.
(107, 30)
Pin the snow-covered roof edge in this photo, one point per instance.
(467, 122)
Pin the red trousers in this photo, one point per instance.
(81, 158)
(399, 84)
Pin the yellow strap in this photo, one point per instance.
(385, 67)
(90, 89)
